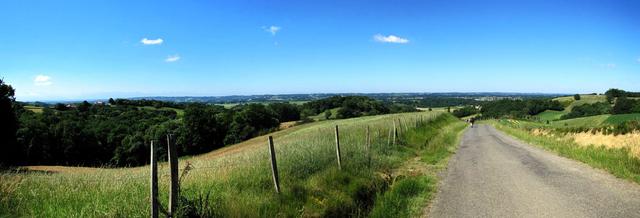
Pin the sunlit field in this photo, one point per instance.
(236, 180)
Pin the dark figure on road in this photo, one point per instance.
(472, 120)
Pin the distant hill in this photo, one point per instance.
(378, 96)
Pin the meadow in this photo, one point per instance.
(235, 181)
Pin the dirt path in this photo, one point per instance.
(494, 175)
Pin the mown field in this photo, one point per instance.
(235, 181)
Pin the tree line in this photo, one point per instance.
(518, 108)
(119, 133)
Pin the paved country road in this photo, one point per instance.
(495, 175)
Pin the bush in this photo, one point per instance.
(576, 97)
(465, 111)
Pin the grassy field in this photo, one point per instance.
(550, 115)
(590, 121)
(569, 102)
(617, 158)
(320, 116)
(236, 180)
(619, 118)
(33, 108)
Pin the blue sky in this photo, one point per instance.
(60, 50)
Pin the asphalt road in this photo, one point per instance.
(495, 175)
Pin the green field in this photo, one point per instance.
(236, 180)
(619, 118)
(550, 115)
(591, 121)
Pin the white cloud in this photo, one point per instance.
(172, 58)
(638, 60)
(390, 39)
(157, 41)
(272, 29)
(610, 65)
(42, 80)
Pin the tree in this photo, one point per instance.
(623, 105)
(285, 111)
(576, 97)
(10, 154)
(327, 114)
(84, 106)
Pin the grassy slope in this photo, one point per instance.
(619, 118)
(618, 162)
(591, 121)
(569, 102)
(233, 181)
(550, 115)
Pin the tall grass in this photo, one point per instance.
(619, 161)
(433, 144)
(237, 181)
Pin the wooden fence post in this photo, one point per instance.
(172, 153)
(389, 137)
(395, 132)
(338, 148)
(274, 165)
(154, 182)
(368, 147)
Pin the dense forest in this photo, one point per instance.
(118, 132)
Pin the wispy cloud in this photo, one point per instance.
(609, 65)
(157, 41)
(172, 58)
(638, 60)
(272, 29)
(42, 80)
(390, 39)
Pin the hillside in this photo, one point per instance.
(236, 180)
(569, 102)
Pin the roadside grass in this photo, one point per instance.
(409, 196)
(618, 161)
(236, 181)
